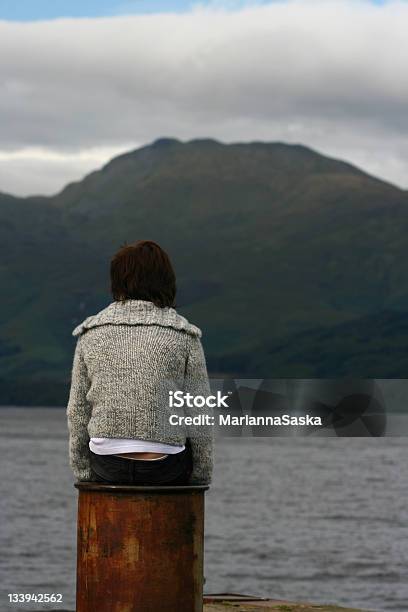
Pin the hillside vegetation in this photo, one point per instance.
(293, 264)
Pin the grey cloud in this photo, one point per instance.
(329, 74)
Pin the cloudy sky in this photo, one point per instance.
(82, 81)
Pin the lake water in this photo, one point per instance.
(322, 520)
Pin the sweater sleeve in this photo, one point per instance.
(201, 437)
(78, 415)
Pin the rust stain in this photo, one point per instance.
(140, 552)
(131, 550)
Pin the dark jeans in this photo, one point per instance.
(171, 470)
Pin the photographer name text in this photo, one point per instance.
(178, 399)
(228, 420)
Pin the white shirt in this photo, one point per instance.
(113, 446)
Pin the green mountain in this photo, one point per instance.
(293, 264)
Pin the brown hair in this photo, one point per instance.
(143, 271)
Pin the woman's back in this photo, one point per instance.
(135, 354)
(129, 359)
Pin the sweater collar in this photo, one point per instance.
(137, 312)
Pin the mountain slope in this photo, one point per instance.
(269, 241)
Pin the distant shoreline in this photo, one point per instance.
(35, 407)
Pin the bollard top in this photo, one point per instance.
(118, 488)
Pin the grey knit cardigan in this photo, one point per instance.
(127, 359)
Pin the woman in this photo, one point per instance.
(129, 358)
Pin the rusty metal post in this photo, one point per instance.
(140, 549)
